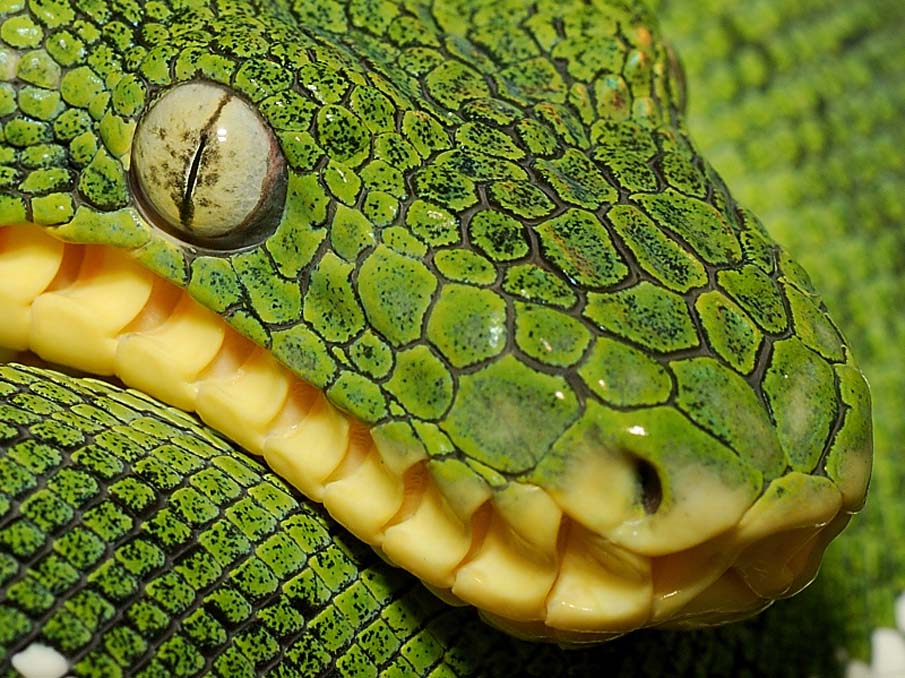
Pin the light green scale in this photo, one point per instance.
(487, 237)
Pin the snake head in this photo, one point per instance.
(455, 270)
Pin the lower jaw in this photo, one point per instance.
(93, 310)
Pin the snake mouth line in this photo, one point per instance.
(94, 309)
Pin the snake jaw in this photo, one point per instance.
(578, 561)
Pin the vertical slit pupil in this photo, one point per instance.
(187, 208)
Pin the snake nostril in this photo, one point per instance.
(649, 484)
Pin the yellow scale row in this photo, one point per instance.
(531, 569)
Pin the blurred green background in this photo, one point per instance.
(801, 107)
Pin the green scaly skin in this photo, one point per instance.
(425, 634)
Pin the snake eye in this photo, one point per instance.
(207, 168)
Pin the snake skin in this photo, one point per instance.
(824, 177)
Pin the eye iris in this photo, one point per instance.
(206, 166)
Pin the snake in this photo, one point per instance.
(419, 338)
